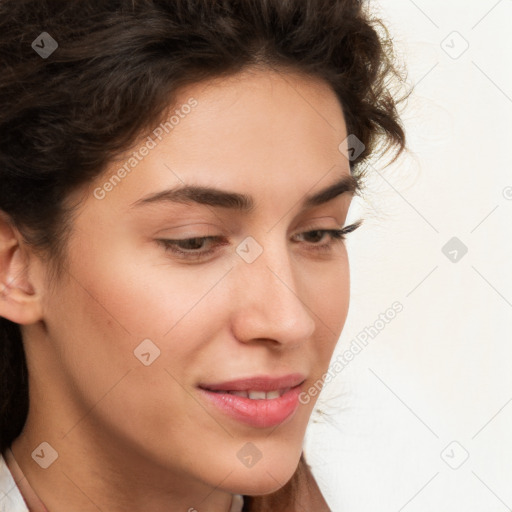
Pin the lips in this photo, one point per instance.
(258, 383)
(259, 402)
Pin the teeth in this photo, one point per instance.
(259, 395)
(239, 393)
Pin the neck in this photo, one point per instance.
(87, 488)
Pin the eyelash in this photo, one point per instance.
(337, 236)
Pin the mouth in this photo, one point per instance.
(259, 402)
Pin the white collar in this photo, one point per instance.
(11, 499)
(237, 503)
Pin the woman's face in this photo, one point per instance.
(135, 327)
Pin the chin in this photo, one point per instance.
(265, 477)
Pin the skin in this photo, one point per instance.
(139, 438)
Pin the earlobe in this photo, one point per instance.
(18, 306)
(19, 301)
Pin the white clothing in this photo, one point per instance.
(11, 499)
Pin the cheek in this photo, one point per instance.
(123, 310)
(328, 299)
(103, 315)
(327, 290)
(141, 290)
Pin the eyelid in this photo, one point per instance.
(313, 226)
(209, 228)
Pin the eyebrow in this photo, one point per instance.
(215, 197)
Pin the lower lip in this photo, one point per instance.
(256, 413)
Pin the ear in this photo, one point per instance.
(20, 302)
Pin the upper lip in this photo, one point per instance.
(257, 383)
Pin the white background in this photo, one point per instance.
(441, 371)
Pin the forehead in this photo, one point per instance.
(263, 105)
(258, 132)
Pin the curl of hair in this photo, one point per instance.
(117, 70)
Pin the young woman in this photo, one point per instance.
(175, 179)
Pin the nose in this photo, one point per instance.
(268, 301)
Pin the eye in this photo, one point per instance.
(337, 236)
(193, 248)
(201, 247)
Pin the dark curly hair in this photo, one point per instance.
(116, 72)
